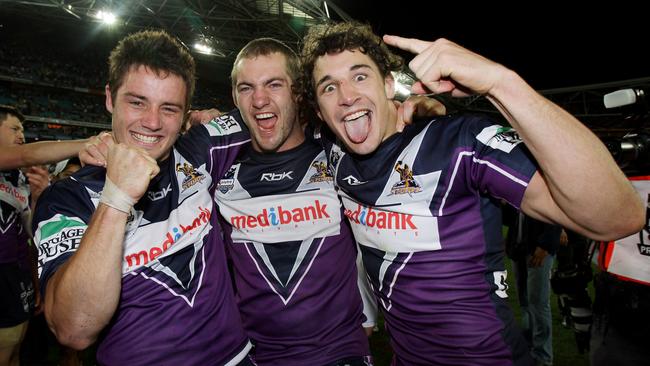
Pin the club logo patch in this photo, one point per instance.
(406, 184)
(192, 176)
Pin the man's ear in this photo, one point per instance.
(319, 114)
(109, 99)
(389, 85)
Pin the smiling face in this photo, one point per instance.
(263, 93)
(148, 110)
(354, 99)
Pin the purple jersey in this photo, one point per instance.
(293, 258)
(14, 205)
(425, 208)
(176, 304)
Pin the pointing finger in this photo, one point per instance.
(408, 44)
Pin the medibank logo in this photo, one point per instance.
(368, 217)
(143, 257)
(275, 216)
(13, 192)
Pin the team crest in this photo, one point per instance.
(228, 181)
(192, 176)
(406, 184)
(323, 173)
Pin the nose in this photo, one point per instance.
(348, 95)
(151, 119)
(21, 137)
(260, 98)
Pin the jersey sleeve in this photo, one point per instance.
(60, 221)
(501, 166)
(215, 143)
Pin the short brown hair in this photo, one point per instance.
(156, 50)
(264, 47)
(338, 37)
(6, 110)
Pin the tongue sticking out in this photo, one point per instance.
(358, 129)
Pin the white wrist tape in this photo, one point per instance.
(114, 197)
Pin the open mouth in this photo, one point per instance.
(266, 121)
(357, 126)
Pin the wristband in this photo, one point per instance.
(114, 197)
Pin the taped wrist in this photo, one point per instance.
(114, 197)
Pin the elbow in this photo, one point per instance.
(623, 225)
(72, 339)
(70, 334)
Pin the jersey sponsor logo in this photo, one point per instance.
(406, 183)
(368, 217)
(155, 196)
(280, 215)
(58, 235)
(142, 257)
(224, 125)
(315, 213)
(274, 177)
(323, 173)
(192, 176)
(13, 192)
(499, 137)
(350, 180)
(227, 183)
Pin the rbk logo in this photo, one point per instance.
(274, 177)
(155, 196)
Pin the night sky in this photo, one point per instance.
(550, 45)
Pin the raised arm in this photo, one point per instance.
(83, 294)
(579, 186)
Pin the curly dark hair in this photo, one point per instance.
(339, 37)
(156, 50)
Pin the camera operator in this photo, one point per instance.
(569, 282)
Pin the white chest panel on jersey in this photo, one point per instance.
(401, 219)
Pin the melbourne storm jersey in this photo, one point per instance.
(176, 304)
(293, 258)
(425, 209)
(14, 205)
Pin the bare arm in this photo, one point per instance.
(37, 153)
(83, 294)
(579, 186)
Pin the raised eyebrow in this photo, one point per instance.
(323, 80)
(359, 66)
(352, 68)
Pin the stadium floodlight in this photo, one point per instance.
(106, 17)
(203, 48)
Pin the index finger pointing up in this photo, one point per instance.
(413, 45)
